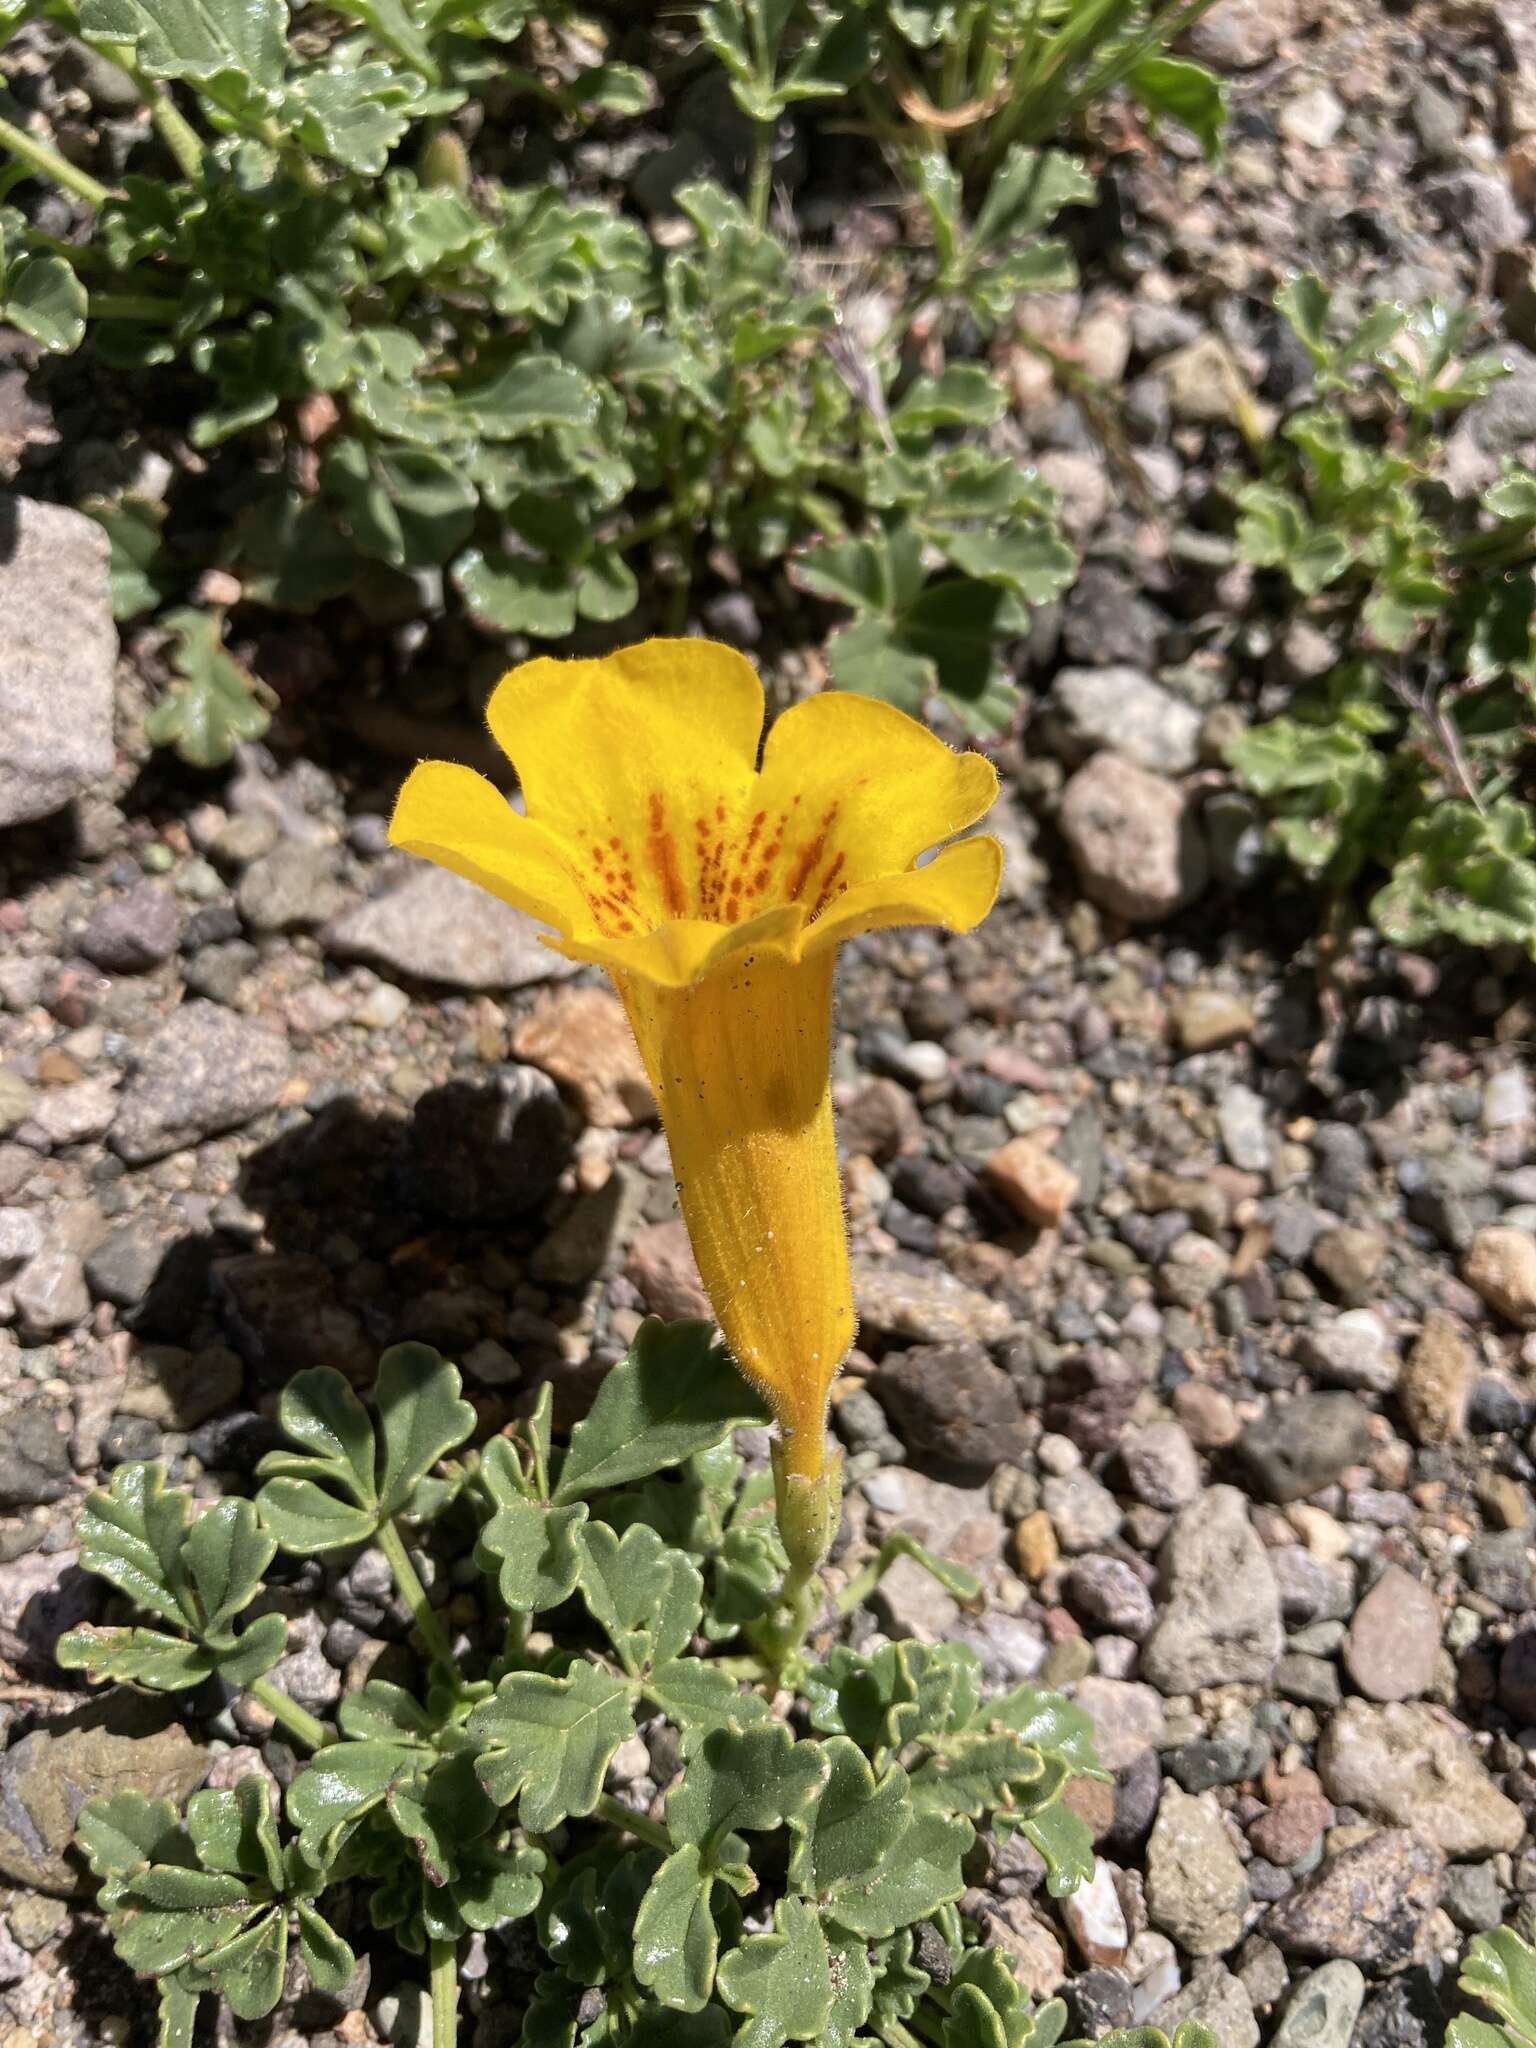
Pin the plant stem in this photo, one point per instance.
(314, 1734)
(761, 186)
(414, 1594)
(618, 1815)
(132, 306)
(48, 163)
(445, 1994)
(177, 133)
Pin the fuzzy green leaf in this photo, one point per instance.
(781, 1981)
(342, 1784)
(646, 1597)
(535, 1548)
(853, 1826)
(677, 1942)
(421, 1419)
(699, 1697)
(304, 1517)
(234, 1832)
(753, 1778)
(213, 704)
(142, 1656)
(121, 1831)
(550, 1740)
(1172, 89)
(676, 1392)
(46, 300)
(921, 1874)
(228, 1553)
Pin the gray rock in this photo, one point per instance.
(1220, 1623)
(1161, 1465)
(1501, 1569)
(292, 888)
(1371, 1904)
(487, 1149)
(1322, 2011)
(1218, 2000)
(431, 925)
(1394, 1639)
(1473, 1897)
(1353, 1351)
(21, 1238)
(1084, 1513)
(282, 1315)
(1479, 206)
(596, 1229)
(50, 1294)
(951, 1403)
(177, 1389)
(60, 651)
(1134, 838)
(123, 1266)
(1122, 708)
(122, 1743)
(1241, 1117)
(1236, 35)
(131, 933)
(1406, 1765)
(34, 1457)
(924, 1303)
(204, 1071)
(1302, 1445)
(1107, 1594)
(77, 1113)
(1196, 1890)
(1128, 1719)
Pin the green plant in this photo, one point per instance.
(394, 365)
(612, 1575)
(1499, 1971)
(987, 74)
(1414, 760)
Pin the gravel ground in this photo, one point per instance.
(1198, 1292)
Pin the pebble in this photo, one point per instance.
(293, 888)
(1194, 1268)
(1106, 1593)
(1161, 1466)
(56, 687)
(951, 1403)
(1322, 2010)
(487, 1148)
(1404, 1764)
(1120, 707)
(1285, 1833)
(178, 1389)
(131, 933)
(1313, 118)
(1084, 1513)
(1216, 2000)
(1303, 1444)
(204, 1071)
(1370, 1904)
(50, 1294)
(1241, 1117)
(1350, 1260)
(1501, 1265)
(925, 1304)
(1352, 1351)
(1436, 1382)
(582, 1038)
(1095, 1918)
(1135, 839)
(1220, 1618)
(425, 923)
(34, 1457)
(1207, 1019)
(1393, 1643)
(1032, 1180)
(1196, 1890)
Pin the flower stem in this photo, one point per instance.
(445, 1994)
(618, 1815)
(48, 163)
(760, 189)
(314, 1734)
(414, 1594)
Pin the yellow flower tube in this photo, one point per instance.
(715, 892)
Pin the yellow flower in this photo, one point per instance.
(715, 893)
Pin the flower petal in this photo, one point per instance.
(872, 789)
(957, 888)
(679, 954)
(453, 816)
(642, 762)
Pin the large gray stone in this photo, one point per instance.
(56, 658)
(122, 1743)
(1120, 707)
(205, 1070)
(1370, 1905)
(1219, 1603)
(1197, 1891)
(432, 925)
(1323, 2010)
(1406, 1765)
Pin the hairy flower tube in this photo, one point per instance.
(715, 892)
